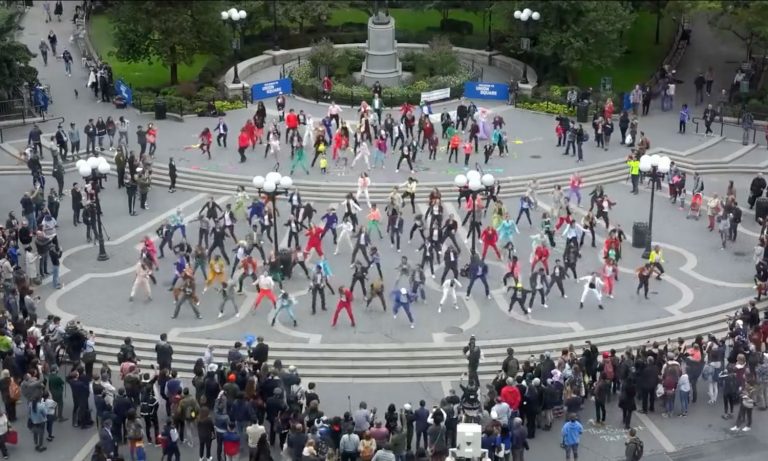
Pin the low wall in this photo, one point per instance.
(271, 58)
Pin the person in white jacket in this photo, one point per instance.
(345, 235)
(363, 183)
(141, 281)
(593, 284)
(449, 290)
(364, 153)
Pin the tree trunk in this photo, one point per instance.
(174, 74)
(174, 67)
(658, 21)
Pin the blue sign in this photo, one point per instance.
(266, 90)
(125, 91)
(486, 90)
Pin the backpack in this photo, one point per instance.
(14, 391)
(638, 453)
(608, 370)
(366, 453)
(190, 414)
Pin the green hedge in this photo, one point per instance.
(306, 84)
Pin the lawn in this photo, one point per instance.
(139, 74)
(642, 57)
(408, 19)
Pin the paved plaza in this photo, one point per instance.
(382, 360)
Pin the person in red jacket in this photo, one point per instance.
(206, 138)
(250, 128)
(428, 129)
(453, 145)
(314, 241)
(243, 141)
(541, 255)
(327, 87)
(489, 236)
(345, 303)
(291, 124)
(510, 395)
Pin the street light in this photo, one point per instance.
(655, 167)
(93, 170)
(475, 184)
(490, 22)
(275, 46)
(525, 42)
(272, 185)
(235, 19)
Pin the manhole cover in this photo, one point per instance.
(454, 330)
(535, 156)
(739, 253)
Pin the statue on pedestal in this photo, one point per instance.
(378, 16)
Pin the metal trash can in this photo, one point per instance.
(761, 208)
(161, 108)
(582, 112)
(639, 234)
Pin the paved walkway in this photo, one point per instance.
(721, 50)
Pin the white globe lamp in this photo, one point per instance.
(258, 182)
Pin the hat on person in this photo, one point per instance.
(213, 367)
(145, 378)
(606, 354)
(407, 407)
(231, 378)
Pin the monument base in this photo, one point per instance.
(382, 63)
(386, 81)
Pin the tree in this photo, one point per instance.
(166, 31)
(15, 70)
(572, 34)
(314, 12)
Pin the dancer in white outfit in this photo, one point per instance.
(363, 183)
(365, 153)
(345, 234)
(593, 285)
(142, 280)
(449, 290)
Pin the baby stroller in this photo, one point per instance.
(695, 210)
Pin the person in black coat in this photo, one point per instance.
(80, 386)
(627, 402)
(647, 380)
(172, 175)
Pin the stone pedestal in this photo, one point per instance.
(381, 61)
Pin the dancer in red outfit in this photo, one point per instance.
(314, 241)
(345, 303)
(541, 255)
(609, 271)
(266, 284)
(250, 130)
(489, 238)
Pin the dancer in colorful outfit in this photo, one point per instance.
(345, 303)
(374, 220)
(241, 203)
(507, 229)
(286, 303)
(403, 299)
(266, 284)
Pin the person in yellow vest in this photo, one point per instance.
(216, 272)
(655, 259)
(634, 171)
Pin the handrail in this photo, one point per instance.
(2, 140)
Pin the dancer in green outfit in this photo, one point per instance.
(299, 159)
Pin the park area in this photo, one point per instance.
(466, 28)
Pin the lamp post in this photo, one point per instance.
(490, 22)
(93, 170)
(475, 183)
(655, 167)
(525, 42)
(235, 19)
(275, 46)
(272, 185)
